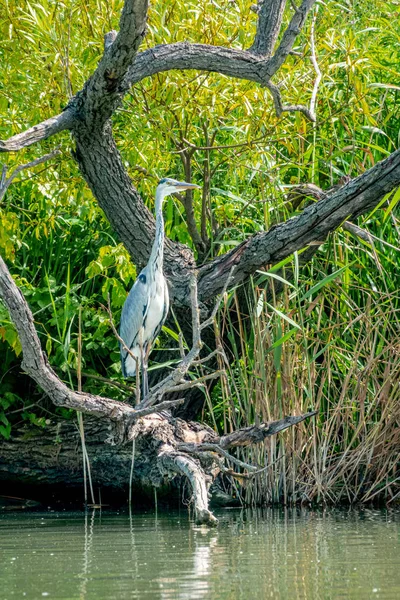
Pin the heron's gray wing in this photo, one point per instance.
(132, 316)
(157, 331)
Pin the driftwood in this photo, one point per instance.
(87, 117)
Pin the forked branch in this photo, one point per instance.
(121, 66)
(270, 13)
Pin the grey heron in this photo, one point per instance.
(146, 306)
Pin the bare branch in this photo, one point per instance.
(166, 405)
(42, 131)
(316, 221)
(281, 108)
(201, 57)
(316, 67)
(218, 301)
(5, 183)
(202, 361)
(294, 6)
(103, 90)
(257, 433)
(225, 146)
(270, 13)
(170, 460)
(36, 365)
(285, 47)
(246, 436)
(208, 447)
(240, 64)
(187, 385)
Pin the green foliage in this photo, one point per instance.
(64, 255)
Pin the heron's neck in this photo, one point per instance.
(157, 252)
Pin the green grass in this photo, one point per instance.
(330, 341)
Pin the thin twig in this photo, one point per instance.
(5, 183)
(198, 448)
(280, 107)
(315, 65)
(223, 147)
(142, 412)
(217, 304)
(189, 384)
(202, 361)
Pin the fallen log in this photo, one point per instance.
(166, 446)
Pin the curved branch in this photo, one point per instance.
(36, 365)
(102, 92)
(231, 62)
(270, 15)
(241, 64)
(121, 67)
(281, 108)
(6, 182)
(171, 460)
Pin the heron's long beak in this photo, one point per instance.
(182, 185)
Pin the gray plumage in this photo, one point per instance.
(146, 306)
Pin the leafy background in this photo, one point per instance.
(331, 340)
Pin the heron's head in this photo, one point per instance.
(170, 186)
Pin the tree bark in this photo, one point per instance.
(172, 446)
(87, 117)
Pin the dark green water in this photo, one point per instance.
(252, 554)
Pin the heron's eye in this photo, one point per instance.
(142, 278)
(162, 180)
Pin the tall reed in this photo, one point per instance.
(305, 352)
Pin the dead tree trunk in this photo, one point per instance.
(176, 449)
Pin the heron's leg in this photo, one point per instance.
(145, 380)
(142, 364)
(145, 383)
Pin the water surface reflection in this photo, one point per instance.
(252, 554)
